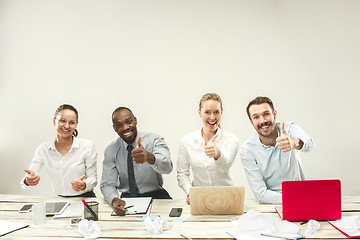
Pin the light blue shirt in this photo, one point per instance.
(267, 167)
(148, 177)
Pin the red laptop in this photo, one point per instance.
(311, 199)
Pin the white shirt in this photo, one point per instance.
(206, 171)
(79, 161)
(267, 167)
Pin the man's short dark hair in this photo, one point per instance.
(257, 101)
(119, 109)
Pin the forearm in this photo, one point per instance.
(23, 184)
(161, 153)
(184, 181)
(91, 175)
(227, 157)
(108, 185)
(90, 182)
(163, 164)
(268, 197)
(298, 144)
(150, 158)
(109, 193)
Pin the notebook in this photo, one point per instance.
(136, 206)
(217, 200)
(310, 199)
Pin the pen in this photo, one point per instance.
(278, 236)
(129, 207)
(149, 210)
(188, 238)
(90, 210)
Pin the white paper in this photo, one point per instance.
(250, 235)
(252, 224)
(347, 225)
(7, 227)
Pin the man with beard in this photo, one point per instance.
(133, 163)
(273, 154)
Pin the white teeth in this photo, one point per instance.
(127, 134)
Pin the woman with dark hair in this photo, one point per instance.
(69, 161)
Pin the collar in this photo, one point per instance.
(198, 135)
(268, 146)
(139, 134)
(75, 144)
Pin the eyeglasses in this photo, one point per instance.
(63, 121)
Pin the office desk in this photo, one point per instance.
(131, 227)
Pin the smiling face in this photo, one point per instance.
(65, 123)
(262, 117)
(210, 114)
(124, 123)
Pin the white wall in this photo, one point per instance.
(159, 57)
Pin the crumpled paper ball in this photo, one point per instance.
(89, 229)
(312, 226)
(357, 223)
(157, 226)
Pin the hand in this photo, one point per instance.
(140, 155)
(78, 185)
(188, 199)
(285, 143)
(211, 150)
(118, 206)
(31, 179)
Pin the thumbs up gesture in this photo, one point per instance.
(78, 184)
(31, 179)
(211, 150)
(140, 155)
(285, 143)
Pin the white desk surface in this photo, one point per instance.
(130, 227)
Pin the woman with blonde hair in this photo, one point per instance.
(209, 151)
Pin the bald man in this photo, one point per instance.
(133, 163)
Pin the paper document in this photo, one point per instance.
(140, 205)
(346, 225)
(249, 235)
(8, 227)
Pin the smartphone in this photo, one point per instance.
(25, 208)
(175, 212)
